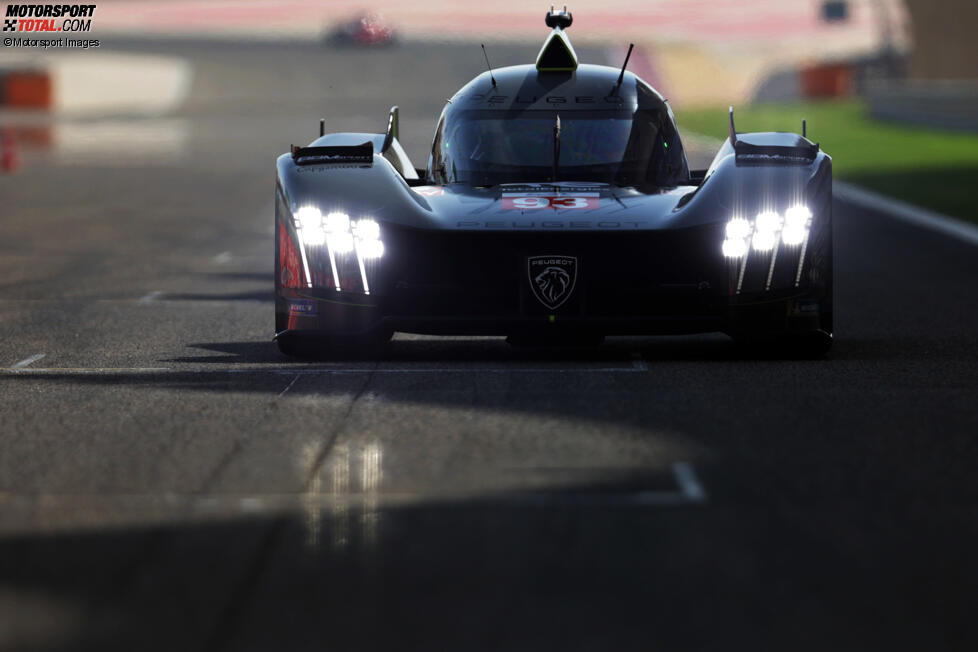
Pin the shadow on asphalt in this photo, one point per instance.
(495, 350)
(267, 277)
(235, 353)
(471, 575)
(259, 295)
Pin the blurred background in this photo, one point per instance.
(889, 87)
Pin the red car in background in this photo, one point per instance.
(365, 29)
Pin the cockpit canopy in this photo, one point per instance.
(558, 120)
(627, 140)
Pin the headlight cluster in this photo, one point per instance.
(339, 233)
(342, 236)
(764, 232)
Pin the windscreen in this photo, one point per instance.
(488, 147)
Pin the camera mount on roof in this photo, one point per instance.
(561, 19)
(557, 53)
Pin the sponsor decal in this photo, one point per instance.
(552, 278)
(48, 18)
(302, 308)
(560, 187)
(305, 169)
(537, 200)
(430, 191)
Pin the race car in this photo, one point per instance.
(556, 206)
(364, 30)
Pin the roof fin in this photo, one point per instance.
(557, 53)
(733, 131)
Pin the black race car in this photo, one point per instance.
(557, 205)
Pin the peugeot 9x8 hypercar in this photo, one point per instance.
(556, 205)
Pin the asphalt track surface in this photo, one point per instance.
(169, 481)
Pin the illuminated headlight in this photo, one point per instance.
(308, 217)
(340, 243)
(367, 230)
(350, 245)
(794, 235)
(766, 227)
(768, 221)
(367, 233)
(313, 237)
(763, 232)
(738, 229)
(338, 223)
(797, 216)
(764, 240)
(371, 248)
(309, 221)
(796, 223)
(734, 247)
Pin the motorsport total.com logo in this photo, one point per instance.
(48, 18)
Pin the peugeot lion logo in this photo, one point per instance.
(552, 278)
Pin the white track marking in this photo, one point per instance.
(151, 297)
(27, 361)
(86, 371)
(222, 258)
(289, 386)
(689, 485)
(901, 210)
